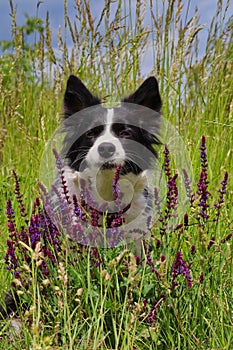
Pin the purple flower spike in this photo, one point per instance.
(19, 196)
(201, 278)
(187, 183)
(179, 267)
(204, 162)
(186, 220)
(227, 238)
(166, 164)
(202, 185)
(193, 249)
(151, 317)
(60, 168)
(115, 187)
(211, 242)
(222, 191)
(172, 197)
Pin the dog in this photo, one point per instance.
(100, 142)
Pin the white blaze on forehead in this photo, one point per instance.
(93, 156)
(109, 120)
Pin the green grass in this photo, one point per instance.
(82, 307)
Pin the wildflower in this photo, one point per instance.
(222, 191)
(163, 258)
(203, 155)
(166, 164)
(77, 209)
(186, 220)
(94, 217)
(179, 267)
(138, 259)
(60, 168)
(95, 257)
(149, 260)
(10, 217)
(203, 184)
(193, 249)
(115, 186)
(157, 201)
(201, 278)
(172, 195)
(187, 183)
(211, 242)
(151, 317)
(227, 238)
(40, 229)
(19, 196)
(156, 272)
(172, 198)
(10, 257)
(158, 243)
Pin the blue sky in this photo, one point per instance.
(55, 7)
(206, 8)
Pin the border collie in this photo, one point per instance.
(99, 142)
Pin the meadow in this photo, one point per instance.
(76, 297)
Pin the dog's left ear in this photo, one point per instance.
(77, 97)
(147, 95)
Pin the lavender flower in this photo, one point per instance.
(227, 238)
(193, 249)
(11, 257)
(19, 196)
(222, 191)
(77, 209)
(186, 220)
(203, 185)
(60, 168)
(157, 201)
(39, 229)
(115, 186)
(172, 198)
(151, 317)
(166, 164)
(11, 219)
(211, 242)
(201, 278)
(150, 262)
(203, 156)
(172, 195)
(179, 267)
(187, 183)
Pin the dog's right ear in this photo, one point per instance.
(77, 97)
(147, 95)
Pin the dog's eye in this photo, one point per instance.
(95, 132)
(126, 132)
(90, 134)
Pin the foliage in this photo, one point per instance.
(80, 298)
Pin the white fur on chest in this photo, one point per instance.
(131, 190)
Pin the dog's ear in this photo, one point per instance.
(77, 97)
(147, 95)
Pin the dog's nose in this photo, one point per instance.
(106, 149)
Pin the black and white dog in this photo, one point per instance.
(99, 140)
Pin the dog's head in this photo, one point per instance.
(103, 138)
